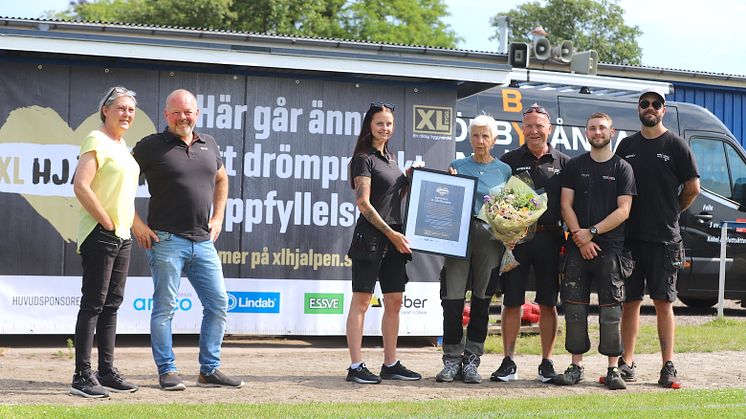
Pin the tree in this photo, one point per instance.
(589, 24)
(415, 22)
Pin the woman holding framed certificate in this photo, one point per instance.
(379, 250)
(461, 354)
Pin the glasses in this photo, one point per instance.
(657, 104)
(381, 105)
(537, 109)
(121, 91)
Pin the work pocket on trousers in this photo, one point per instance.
(626, 263)
(367, 243)
(674, 255)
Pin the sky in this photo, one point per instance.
(677, 34)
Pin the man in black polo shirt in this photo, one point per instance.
(671, 183)
(538, 159)
(185, 178)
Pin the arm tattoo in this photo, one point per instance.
(362, 195)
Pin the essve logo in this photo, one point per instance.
(317, 303)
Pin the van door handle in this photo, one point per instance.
(704, 216)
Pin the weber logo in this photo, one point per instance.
(433, 120)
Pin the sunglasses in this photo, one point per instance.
(537, 109)
(381, 105)
(657, 104)
(119, 90)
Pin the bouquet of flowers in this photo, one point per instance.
(510, 209)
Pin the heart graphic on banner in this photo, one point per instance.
(38, 157)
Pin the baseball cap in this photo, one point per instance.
(655, 91)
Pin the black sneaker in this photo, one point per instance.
(113, 381)
(362, 375)
(398, 372)
(217, 379)
(85, 384)
(628, 372)
(508, 371)
(546, 371)
(613, 380)
(668, 377)
(572, 375)
(171, 381)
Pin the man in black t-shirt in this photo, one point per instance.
(186, 178)
(536, 159)
(671, 183)
(597, 190)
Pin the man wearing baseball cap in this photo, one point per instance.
(667, 184)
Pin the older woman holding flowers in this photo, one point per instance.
(461, 354)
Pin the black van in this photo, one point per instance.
(720, 159)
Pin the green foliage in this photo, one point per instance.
(589, 24)
(659, 404)
(415, 22)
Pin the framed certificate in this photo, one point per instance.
(439, 212)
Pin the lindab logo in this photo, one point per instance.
(253, 302)
(316, 303)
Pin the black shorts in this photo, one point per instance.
(542, 252)
(603, 272)
(386, 265)
(656, 267)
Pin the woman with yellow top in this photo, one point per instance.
(105, 184)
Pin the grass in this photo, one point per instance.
(715, 335)
(665, 404)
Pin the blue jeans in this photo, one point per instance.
(200, 263)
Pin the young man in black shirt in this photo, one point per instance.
(671, 183)
(597, 190)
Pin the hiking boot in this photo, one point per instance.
(451, 371)
(398, 372)
(668, 377)
(628, 372)
(170, 381)
(113, 381)
(217, 379)
(614, 380)
(572, 375)
(546, 371)
(85, 384)
(362, 375)
(471, 376)
(508, 371)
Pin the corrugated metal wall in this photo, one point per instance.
(728, 104)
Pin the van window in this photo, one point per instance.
(737, 173)
(725, 176)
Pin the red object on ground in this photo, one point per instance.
(466, 316)
(530, 313)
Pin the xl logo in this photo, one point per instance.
(432, 120)
(317, 303)
(253, 302)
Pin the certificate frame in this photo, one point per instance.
(439, 212)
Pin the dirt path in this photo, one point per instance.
(290, 371)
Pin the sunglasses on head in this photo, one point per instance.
(121, 91)
(657, 104)
(381, 105)
(537, 109)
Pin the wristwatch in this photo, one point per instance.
(594, 231)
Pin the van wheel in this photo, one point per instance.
(695, 302)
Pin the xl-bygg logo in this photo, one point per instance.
(432, 120)
(316, 303)
(253, 302)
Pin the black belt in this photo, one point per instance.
(543, 228)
